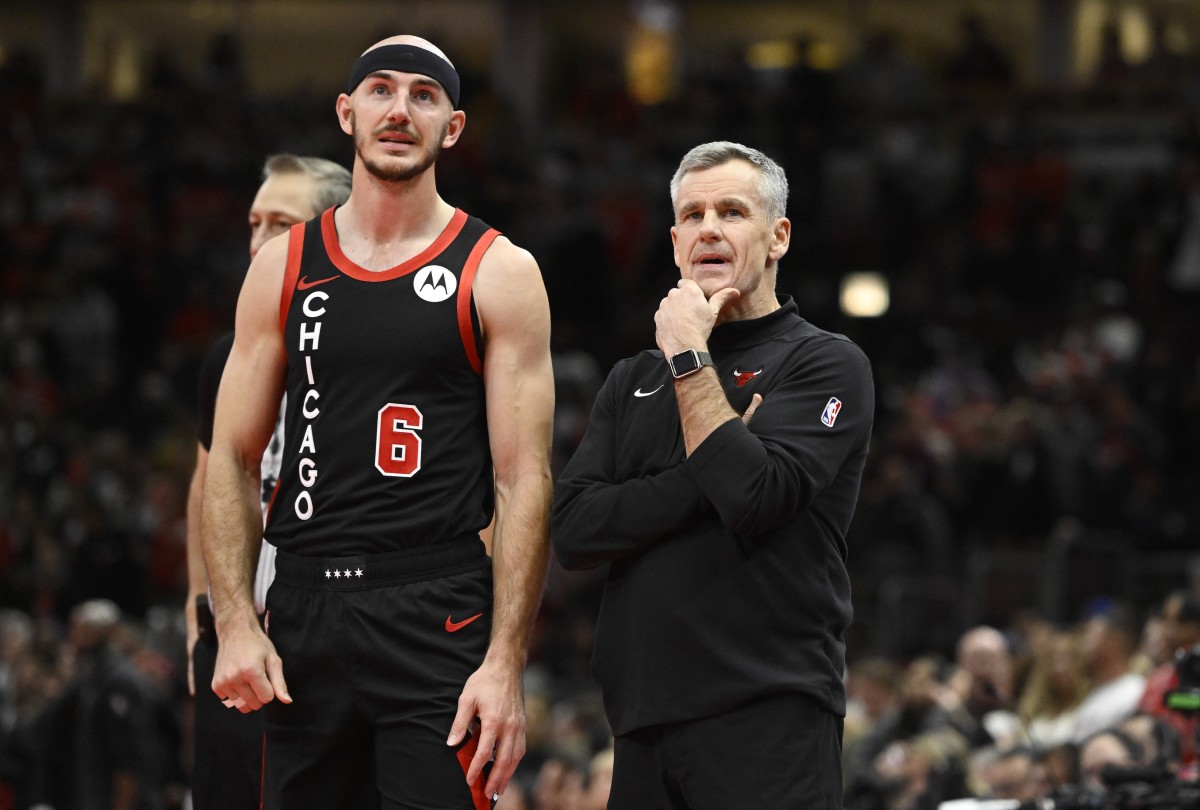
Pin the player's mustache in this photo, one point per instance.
(397, 130)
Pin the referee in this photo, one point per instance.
(227, 746)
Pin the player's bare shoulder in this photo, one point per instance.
(509, 286)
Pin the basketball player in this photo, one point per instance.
(413, 343)
(227, 746)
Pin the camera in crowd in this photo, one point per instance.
(1185, 697)
(1133, 788)
(1142, 787)
(1154, 787)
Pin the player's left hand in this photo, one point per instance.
(494, 694)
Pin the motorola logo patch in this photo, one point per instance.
(434, 284)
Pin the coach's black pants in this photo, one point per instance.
(782, 752)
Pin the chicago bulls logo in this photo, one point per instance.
(743, 377)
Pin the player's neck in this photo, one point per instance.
(384, 224)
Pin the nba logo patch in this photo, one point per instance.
(829, 415)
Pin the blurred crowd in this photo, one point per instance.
(1080, 713)
(1038, 378)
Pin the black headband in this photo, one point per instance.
(406, 59)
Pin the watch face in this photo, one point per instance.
(685, 363)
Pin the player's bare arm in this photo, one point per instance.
(197, 574)
(520, 403)
(248, 671)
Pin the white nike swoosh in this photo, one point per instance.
(641, 393)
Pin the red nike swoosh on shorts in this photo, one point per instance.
(453, 626)
(304, 283)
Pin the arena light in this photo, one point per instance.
(864, 295)
(775, 54)
(650, 52)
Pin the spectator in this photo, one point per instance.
(1109, 641)
(1180, 616)
(915, 774)
(1014, 773)
(926, 706)
(1157, 738)
(1109, 748)
(984, 685)
(559, 786)
(872, 692)
(1053, 691)
(599, 781)
(97, 749)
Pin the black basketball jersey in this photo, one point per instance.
(386, 430)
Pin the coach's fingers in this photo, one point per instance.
(191, 675)
(755, 401)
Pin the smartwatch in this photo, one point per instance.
(688, 361)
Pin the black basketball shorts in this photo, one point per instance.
(376, 650)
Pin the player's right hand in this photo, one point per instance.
(249, 673)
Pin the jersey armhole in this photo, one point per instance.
(291, 271)
(466, 299)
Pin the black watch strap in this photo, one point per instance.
(688, 361)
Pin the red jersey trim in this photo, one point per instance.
(341, 262)
(465, 283)
(291, 271)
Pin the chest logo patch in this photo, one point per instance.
(743, 377)
(829, 415)
(434, 283)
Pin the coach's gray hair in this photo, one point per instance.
(332, 179)
(772, 185)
